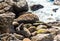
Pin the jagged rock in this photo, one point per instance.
(27, 18)
(36, 7)
(4, 7)
(18, 5)
(10, 37)
(6, 20)
(54, 23)
(42, 37)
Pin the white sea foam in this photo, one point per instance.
(45, 13)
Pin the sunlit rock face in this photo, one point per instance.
(46, 14)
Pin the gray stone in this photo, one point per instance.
(6, 20)
(42, 37)
(18, 5)
(4, 7)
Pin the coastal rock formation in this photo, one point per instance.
(6, 20)
(27, 18)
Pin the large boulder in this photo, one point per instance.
(4, 6)
(6, 20)
(27, 18)
(18, 5)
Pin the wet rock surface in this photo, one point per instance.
(36, 7)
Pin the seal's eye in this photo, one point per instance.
(16, 0)
(1, 1)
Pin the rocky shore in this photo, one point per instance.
(17, 24)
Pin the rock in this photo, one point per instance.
(4, 7)
(42, 37)
(34, 33)
(42, 31)
(10, 37)
(53, 31)
(36, 7)
(18, 5)
(57, 2)
(27, 18)
(55, 9)
(15, 23)
(26, 39)
(6, 20)
(1, 1)
(56, 27)
(23, 31)
(20, 37)
(8, 14)
(36, 24)
(41, 26)
(57, 37)
(27, 25)
(54, 23)
(32, 29)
